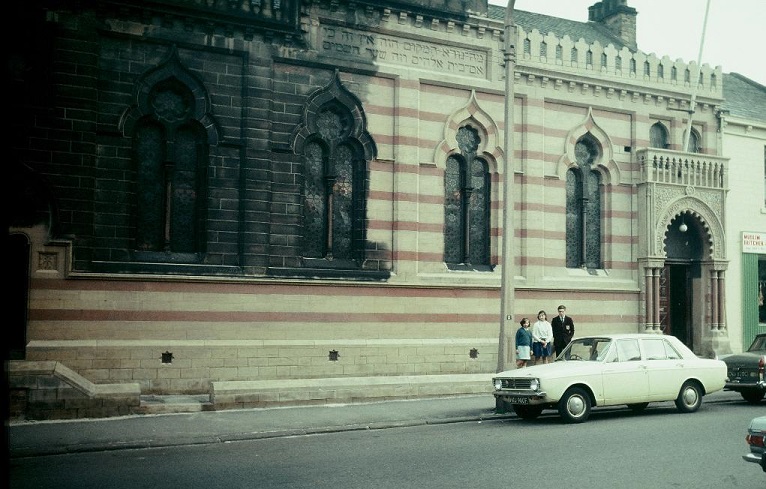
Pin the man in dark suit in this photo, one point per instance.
(563, 329)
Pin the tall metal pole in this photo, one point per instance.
(695, 82)
(506, 358)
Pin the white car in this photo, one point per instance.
(611, 370)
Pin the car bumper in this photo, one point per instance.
(756, 458)
(523, 398)
(742, 386)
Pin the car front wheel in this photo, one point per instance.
(574, 406)
(689, 397)
(527, 412)
(752, 397)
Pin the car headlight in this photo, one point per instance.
(498, 384)
(534, 384)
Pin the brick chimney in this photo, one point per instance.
(616, 16)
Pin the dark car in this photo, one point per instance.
(756, 433)
(746, 371)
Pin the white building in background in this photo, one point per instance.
(743, 123)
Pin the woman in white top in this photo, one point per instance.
(542, 339)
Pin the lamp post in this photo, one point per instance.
(506, 256)
(695, 82)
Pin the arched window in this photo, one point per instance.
(658, 136)
(170, 152)
(466, 204)
(334, 189)
(695, 145)
(583, 207)
(335, 147)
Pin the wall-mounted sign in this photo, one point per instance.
(753, 242)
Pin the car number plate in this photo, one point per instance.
(518, 400)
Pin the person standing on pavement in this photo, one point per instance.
(523, 343)
(542, 339)
(563, 330)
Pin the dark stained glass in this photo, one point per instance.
(314, 209)
(150, 191)
(478, 214)
(593, 221)
(466, 204)
(343, 208)
(468, 140)
(574, 218)
(453, 212)
(184, 194)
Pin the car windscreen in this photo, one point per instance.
(759, 344)
(586, 349)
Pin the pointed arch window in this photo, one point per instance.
(170, 150)
(467, 204)
(334, 189)
(658, 136)
(583, 207)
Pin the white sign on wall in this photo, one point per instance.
(753, 242)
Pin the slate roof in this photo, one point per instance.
(744, 97)
(589, 31)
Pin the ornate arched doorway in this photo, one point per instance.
(681, 277)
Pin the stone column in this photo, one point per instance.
(714, 318)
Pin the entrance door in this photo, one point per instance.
(675, 302)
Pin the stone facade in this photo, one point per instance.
(253, 191)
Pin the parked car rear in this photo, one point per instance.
(746, 371)
(756, 433)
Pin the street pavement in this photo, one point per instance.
(35, 438)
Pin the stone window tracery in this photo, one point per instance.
(466, 210)
(170, 152)
(335, 172)
(583, 207)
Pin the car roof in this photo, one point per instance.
(626, 335)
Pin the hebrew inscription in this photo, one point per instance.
(378, 48)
